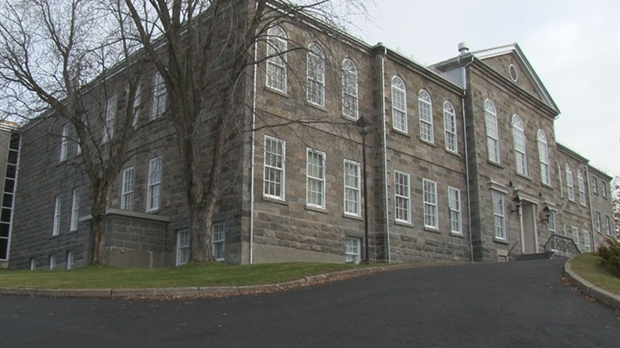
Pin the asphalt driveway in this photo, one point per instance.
(518, 304)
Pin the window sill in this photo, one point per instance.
(454, 153)
(350, 118)
(353, 217)
(546, 185)
(403, 133)
(274, 200)
(316, 106)
(152, 211)
(495, 164)
(317, 209)
(501, 241)
(429, 143)
(276, 91)
(523, 176)
(457, 234)
(403, 223)
(431, 229)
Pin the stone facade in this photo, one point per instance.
(296, 190)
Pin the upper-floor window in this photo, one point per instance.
(543, 158)
(316, 75)
(569, 182)
(75, 210)
(276, 58)
(352, 188)
(399, 104)
(137, 102)
(490, 116)
(349, 89)
(274, 174)
(430, 204)
(159, 96)
(316, 179)
(127, 189)
(449, 122)
(425, 107)
(604, 189)
(57, 212)
(594, 185)
(64, 143)
(560, 180)
(402, 196)
(551, 222)
(154, 185)
(518, 135)
(607, 225)
(582, 189)
(586, 241)
(110, 118)
(598, 221)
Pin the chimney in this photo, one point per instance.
(463, 49)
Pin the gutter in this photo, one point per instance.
(385, 174)
(253, 146)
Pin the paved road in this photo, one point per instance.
(519, 304)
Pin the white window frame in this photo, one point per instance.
(449, 123)
(520, 145)
(560, 180)
(33, 264)
(183, 247)
(599, 222)
(274, 168)
(159, 96)
(399, 104)
(277, 47)
(454, 203)
(315, 179)
(575, 231)
(425, 109)
(607, 225)
(431, 214)
(315, 87)
(569, 182)
(153, 194)
(551, 223)
(499, 215)
(402, 197)
(57, 216)
(70, 260)
(586, 241)
(75, 210)
(595, 185)
(352, 188)
(137, 103)
(543, 158)
(353, 250)
(349, 89)
(582, 189)
(110, 118)
(492, 128)
(52, 262)
(127, 189)
(604, 189)
(64, 143)
(219, 241)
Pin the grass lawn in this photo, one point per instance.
(587, 267)
(211, 274)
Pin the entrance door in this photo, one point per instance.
(528, 225)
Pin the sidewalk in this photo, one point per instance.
(590, 289)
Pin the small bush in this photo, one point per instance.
(610, 254)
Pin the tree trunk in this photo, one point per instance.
(99, 226)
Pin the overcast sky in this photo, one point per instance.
(572, 45)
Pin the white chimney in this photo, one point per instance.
(463, 49)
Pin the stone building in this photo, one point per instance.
(448, 162)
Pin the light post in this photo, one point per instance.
(363, 124)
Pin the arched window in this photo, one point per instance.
(399, 104)
(582, 189)
(449, 124)
(569, 183)
(543, 158)
(490, 116)
(316, 75)
(425, 106)
(518, 135)
(276, 58)
(349, 89)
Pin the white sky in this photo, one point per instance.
(573, 46)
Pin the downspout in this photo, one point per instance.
(385, 174)
(253, 146)
(471, 245)
(587, 185)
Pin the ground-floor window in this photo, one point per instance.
(219, 237)
(33, 264)
(52, 262)
(575, 235)
(586, 241)
(183, 238)
(499, 213)
(353, 250)
(70, 259)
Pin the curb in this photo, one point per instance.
(590, 289)
(211, 291)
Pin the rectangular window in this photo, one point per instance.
(492, 138)
(137, 101)
(575, 231)
(110, 117)
(353, 250)
(75, 209)
(594, 185)
(219, 240)
(499, 213)
(454, 201)
(273, 180)
(586, 241)
(551, 223)
(430, 204)
(183, 240)
(582, 189)
(52, 262)
(316, 179)
(402, 196)
(70, 260)
(607, 225)
(64, 143)
(426, 117)
(127, 189)
(56, 225)
(276, 58)
(598, 222)
(159, 96)
(352, 187)
(154, 188)
(33, 264)
(449, 118)
(604, 189)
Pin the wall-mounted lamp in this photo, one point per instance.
(546, 213)
(517, 201)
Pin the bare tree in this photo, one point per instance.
(204, 50)
(62, 60)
